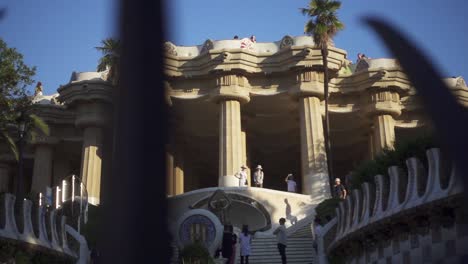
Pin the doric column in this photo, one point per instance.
(42, 173)
(384, 132)
(169, 172)
(230, 93)
(4, 177)
(384, 106)
(371, 152)
(308, 90)
(244, 160)
(313, 155)
(91, 161)
(230, 148)
(178, 173)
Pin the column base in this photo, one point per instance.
(93, 200)
(228, 181)
(317, 185)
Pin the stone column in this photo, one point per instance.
(313, 155)
(384, 132)
(42, 173)
(244, 160)
(385, 105)
(231, 92)
(371, 152)
(91, 161)
(169, 173)
(178, 177)
(4, 177)
(230, 148)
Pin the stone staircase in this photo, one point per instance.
(298, 251)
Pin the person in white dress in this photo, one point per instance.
(242, 176)
(258, 176)
(245, 242)
(292, 186)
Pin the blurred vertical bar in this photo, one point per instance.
(134, 223)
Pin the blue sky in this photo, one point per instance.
(59, 36)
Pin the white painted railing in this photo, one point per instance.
(358, 210)
(57, 228)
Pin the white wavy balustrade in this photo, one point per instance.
(51, 232)
(366, 206)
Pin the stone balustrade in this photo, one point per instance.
(40, 227)
(369, 214)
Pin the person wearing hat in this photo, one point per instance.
(291, 183)
(242, 176)
(339, 190)
(258, 176)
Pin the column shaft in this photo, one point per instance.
(230, 148)
(169, 173)
(384, 133)
(178, 174)
(4, 177)
(313, 156)
(244, 155)
(42, 174)
(91, 163)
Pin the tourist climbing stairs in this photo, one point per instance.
(299, 251)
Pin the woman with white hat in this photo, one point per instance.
(258, 176)
(242, 176)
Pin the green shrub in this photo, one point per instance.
(326, 210)
(195, 253)
(396, 157)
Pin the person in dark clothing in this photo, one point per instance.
(339, 190)
(226, 249)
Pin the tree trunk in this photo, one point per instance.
(328, 152)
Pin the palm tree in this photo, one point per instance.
(34, 126)
(323, 26)
(111, 56)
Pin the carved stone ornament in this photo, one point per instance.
(361, 65)
(460, 82)
(170, 48)
(286, 41)
(207, 46)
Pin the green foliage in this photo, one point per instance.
(195, 253)
(398, 156)
(324, 22)
(326, 210)
(24, 253)
(111, 57)
(15, 76)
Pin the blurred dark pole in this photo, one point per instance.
(449, 117)
(134, 226)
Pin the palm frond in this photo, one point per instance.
(39, 124)
(11, 144)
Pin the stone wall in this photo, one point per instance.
(40, 227)
(412, 216)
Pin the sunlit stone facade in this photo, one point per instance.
(231, 106)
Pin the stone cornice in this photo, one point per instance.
(54, 114)
(244, 60)
(88, 90)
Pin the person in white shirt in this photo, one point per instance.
(245, 241)
(280, 233)
(242, 176)
(258, 177)
(291, 183)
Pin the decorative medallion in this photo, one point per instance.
(286, 41)
(170, 48)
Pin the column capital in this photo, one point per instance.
(384, 103)
(231, 87)
(92, 114)
(308, 84)
(45, 140)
